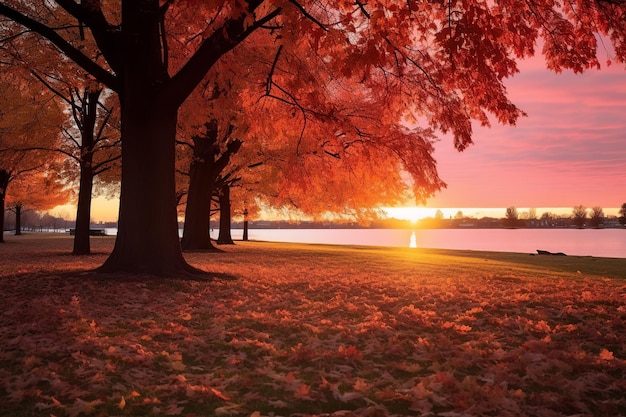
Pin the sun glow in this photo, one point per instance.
(410, 213)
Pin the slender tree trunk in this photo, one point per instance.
(89, 115)
(83, 211)
(18, 219)
(224, 237)
(4, 184)
(245, 225)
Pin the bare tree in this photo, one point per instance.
(579, 216)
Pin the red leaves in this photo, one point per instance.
(362, 333)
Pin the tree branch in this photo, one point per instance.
(224, 39)
(308, 15)
(64, 46)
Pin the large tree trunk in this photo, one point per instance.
(224, 237)
(147, 239)
(201, 184)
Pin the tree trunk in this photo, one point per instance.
(224, 237)
(201, 184)
(4, 184)
(83, 211)
(18, 219)
(89, 115)
(245, 225)
(147, 240)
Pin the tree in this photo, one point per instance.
(597, 216)
(512, 217)
(441, 62)
(224, 237)
(25, 114)
(209, 160)
(38, 190)
(91, 144)
(579, 216)
(622, 215)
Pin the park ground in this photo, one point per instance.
(295, 330)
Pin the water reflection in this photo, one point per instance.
(413, 240)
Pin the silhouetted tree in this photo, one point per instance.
(512, 217)
(597, 216)
(579, 215)
(622, 215)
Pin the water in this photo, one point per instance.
(581, 242)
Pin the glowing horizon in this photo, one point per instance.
(417, 213)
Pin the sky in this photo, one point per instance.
(570, 150)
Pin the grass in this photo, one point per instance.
(313, 330)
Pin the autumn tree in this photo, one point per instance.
(91, 141)
(579, 216)
(209, 160)
(38, 190)
(91, 144)
(25, 116)
(441, 64)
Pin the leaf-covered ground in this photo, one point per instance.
(312, 330)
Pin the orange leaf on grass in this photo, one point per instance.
(219, 394)
(606, 355)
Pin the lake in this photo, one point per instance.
(582, 242)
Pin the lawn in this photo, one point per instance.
(294, 330)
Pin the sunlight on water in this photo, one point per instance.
(412, 240)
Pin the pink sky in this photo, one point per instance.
(570, 150)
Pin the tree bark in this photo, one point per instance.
(4, 184)
(18, 219)
(224, 237)
(201, 185)
(245, 225)
(147, 241)
(208, 163)
(83, 209)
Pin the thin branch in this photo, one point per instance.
(268, 83)
(308, 15)
(362, 7)
(51, 88)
